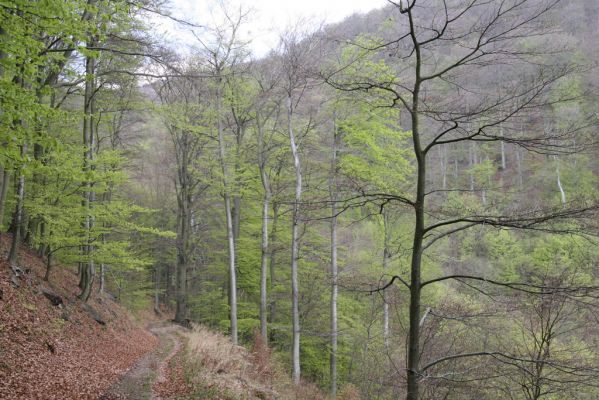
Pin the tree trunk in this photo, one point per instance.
(182, 247)
(471, 163)
(229, 218)
(184, 230)
(264, 245)
(413, 370)
(18, 214)
(88, 268)
(559, 182)
(334, 267)
(295, 355)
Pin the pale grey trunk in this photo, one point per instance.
(334, 266)
(18, 214)
(295, 356)
(229, 221)
(559, 182)
(264, 244)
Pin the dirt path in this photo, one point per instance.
(138, 381)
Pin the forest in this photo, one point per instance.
(402, 205)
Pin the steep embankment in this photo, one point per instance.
(60, 351)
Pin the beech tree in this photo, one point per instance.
(294, 52)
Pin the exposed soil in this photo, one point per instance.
(152, 371)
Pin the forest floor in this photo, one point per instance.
(149, 378)
(54, 346)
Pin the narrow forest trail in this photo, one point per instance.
(140, 380)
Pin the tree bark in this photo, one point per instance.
(413, 372)
(18, 214)
(334, 266)
(229, 220)
(295, 355)
(264, 245)
(88, 269)
(183, 237)
(559, 182)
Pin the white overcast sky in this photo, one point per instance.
(266, 19)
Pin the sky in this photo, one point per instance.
(267, 17)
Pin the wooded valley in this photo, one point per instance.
(402, 205)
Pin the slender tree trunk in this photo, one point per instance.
(559, 182)
(471, 163)
(295, 356)
(334, 266)
(413, 370)
(229, 218)
(88, 268)
(182, 246)
(18, 214)
(264, 245)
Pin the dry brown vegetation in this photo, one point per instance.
(215, 368)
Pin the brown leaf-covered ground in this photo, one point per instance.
(154, 376)
(60, 352)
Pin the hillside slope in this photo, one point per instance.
(60, 352)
